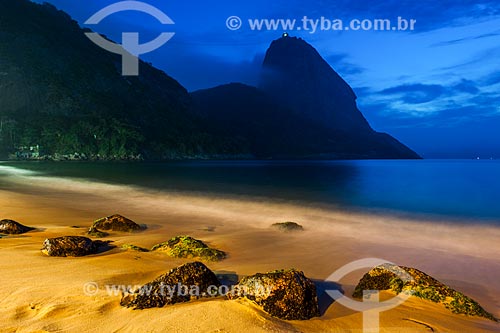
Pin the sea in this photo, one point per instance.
(456, 191)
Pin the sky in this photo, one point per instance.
(436, 88)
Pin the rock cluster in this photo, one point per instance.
(285, 294)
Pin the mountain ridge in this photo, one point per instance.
(308, 108)
(68, 100)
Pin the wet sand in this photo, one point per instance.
(42, 294)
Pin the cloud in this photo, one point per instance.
(387, 115)
(466, 86)
(416, 105)
(340, 63)
(485, 55)
(362, 91)
(486, 102)
(200, 71)
(492, 79)
(465, 39)
(416, 93)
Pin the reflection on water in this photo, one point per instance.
(456, 188)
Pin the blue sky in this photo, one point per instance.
(436, 89)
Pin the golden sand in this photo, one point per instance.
(43, 294)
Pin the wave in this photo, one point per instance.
(10, 170)
(245, 212)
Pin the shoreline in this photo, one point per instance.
(24, 176)
(450, 253)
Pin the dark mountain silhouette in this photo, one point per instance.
(268, 130)
(296, 75)
(62, 93)
(263, 127)
(61, 96)
(302, 109)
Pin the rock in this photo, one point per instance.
(114, 223)
(285, 294)
(288, 226)
(188, 247)
(72, 246)
(181, 284)
(134, 248)
(419, 284)
(93, 232)
(13, 228)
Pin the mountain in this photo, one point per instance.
(266, 129)
(60, 94)
(302, 109)
(263, 127)
(296, 75)
(63, 97)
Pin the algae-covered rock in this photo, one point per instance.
(189, 247)
(285, 294)
(93, 232)
(134, 248)
(288, 226)
(182, 284)
(419, 284)
(116, 223)
(12, 227)
(72, 246)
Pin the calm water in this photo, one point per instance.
(465, 189)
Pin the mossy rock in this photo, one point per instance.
(12, 227)
(134, 248)
(419, 284)
(93, 232)
(285, 294)
(189, 247)
(288, 226)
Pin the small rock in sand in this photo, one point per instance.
(13, 228)
(288, 226)
(133, 248)
(72, 246)
(116, 223)
(189, 247)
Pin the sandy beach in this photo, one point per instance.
(45, 294)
